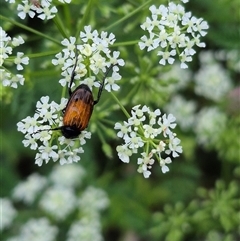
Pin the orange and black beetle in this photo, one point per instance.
(78, 110)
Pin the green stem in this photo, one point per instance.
(84, 18)
(63, 95)
(67, 18)
(134, 89)
(120, 105)
(128, 15)
(58, 22)
(99, 132)
(29, 29)
(43, 54)
(133, 42)
(108, 122)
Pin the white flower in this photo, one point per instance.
(25, 9)
(37, 230)
(88, 34)
(47, 111)
(174, 146)
(11, 80)
(7, 213)
(166, 123)
(46, 152)
(90, 82)
(28, 124)
(70, 44)
(68, 176)
(189, 22)
(114, 59)
(145, 164)
(60, 59)
(185, 57)
(28, 190)
(46, 11)
(163, 165)
(133, 141)
(153, 116)
(17, 41)
(149, 43)
(43, 104)
(210, 123)
(201, 26)
(124, 153)
(111, 82)
(87, 229)
(93, 200)
(166, 56)
(30, 141)
(124, 129)
(142, 169)
(72, 156)
(150, 132)
(58, 202)
(212, 81)
(183, 110)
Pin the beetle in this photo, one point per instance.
(79, 108)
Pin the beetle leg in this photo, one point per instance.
(73, 74)
(102, 85)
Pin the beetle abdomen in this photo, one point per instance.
(79, 108)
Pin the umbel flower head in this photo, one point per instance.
(94, 55)
(94, 59)
(148, 131)
(174, 32)
(7, 44)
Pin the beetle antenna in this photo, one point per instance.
(102, 84)
(53, 129)
(73, 73)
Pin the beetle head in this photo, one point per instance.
(70, 132)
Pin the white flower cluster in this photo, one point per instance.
(7, 44)
(58, 202)
(93, 54)
(37, 229)
(73, 175)
(7, 213)
(184, 111)
(86, 230)
(212, 81)
(91, 203)
(174, 32)
(39, 136)
(28, 190)
(58, 199)
(210, 123)
(44, 9)
(137, 134)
